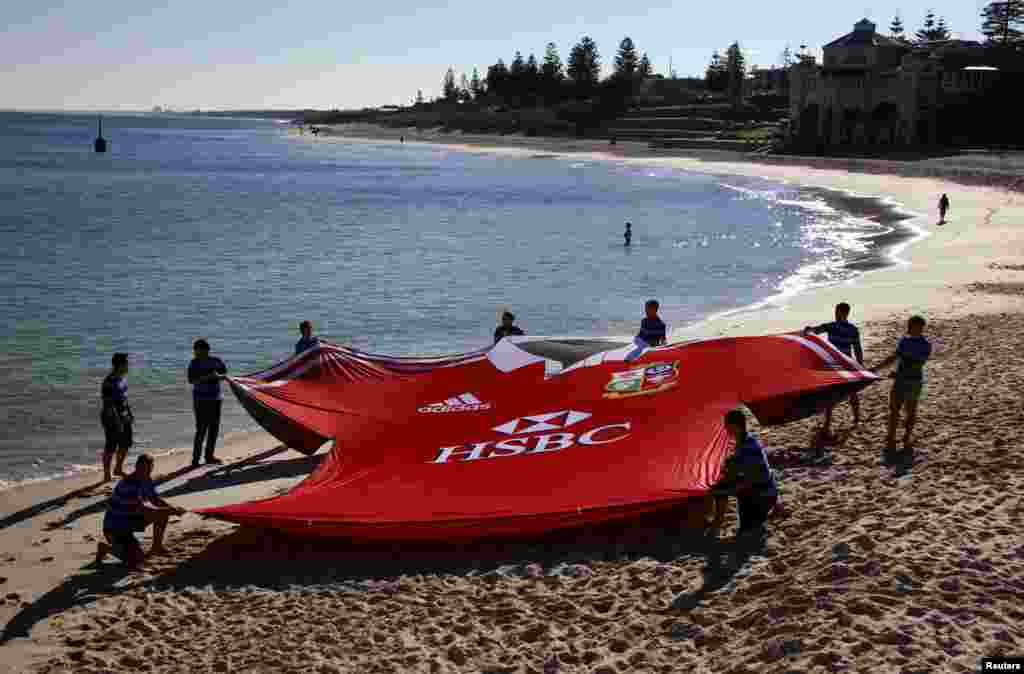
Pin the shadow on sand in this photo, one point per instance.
(78, 590)
(50, 505)
(260, 558)
(900, 460)
(725, 558)
(242, 472)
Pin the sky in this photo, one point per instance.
(226, 54)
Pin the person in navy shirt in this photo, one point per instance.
(748, 476)
(845, 336)
(652, 329)
(128, 513)
(507, 327)
(116, 416)
(628, 234)
(307, 341)
(912, 351)
(205, 373)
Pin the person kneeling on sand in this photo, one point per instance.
(747, 476)
(912, 351)
(127, 513)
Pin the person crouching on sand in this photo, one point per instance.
(912, 351)
(116, 416)
(127, 513)
(749, 478)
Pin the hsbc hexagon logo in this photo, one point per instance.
(530, 439)
(536, 423)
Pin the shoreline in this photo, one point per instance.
(849, 200)
(925, 257)
(849, 206)
(871, 568)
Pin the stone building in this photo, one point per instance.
(874, 89)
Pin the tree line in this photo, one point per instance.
(1001, 23)
(529, 82)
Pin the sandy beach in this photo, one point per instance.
(871, 567)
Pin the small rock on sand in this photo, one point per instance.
(531, 634)
(456, 655)
(132, 662)
(572, 571)
(1003, 635)
(841, 550)
(684, 631)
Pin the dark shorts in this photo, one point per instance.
(124, 545)
(754, 508)
(117, 436)
(126, 523)
(904, 390)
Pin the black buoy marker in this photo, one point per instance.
(101, 143)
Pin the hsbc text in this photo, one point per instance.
(532, 444)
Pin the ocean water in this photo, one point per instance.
(235, 230)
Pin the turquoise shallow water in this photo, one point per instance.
(234, 230)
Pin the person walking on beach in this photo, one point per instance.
(845, 336)
(912, 351)
(943, 207)
(507, 327)
(307, 340)
(116, 416)
(628, 235)
(205, 373)
(652, 330)
(128, 513)
(749, 477)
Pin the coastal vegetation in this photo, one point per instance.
(733, 104)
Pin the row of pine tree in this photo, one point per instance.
(528, 82)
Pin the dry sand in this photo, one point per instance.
(872, 568)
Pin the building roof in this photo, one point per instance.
(864, 35)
